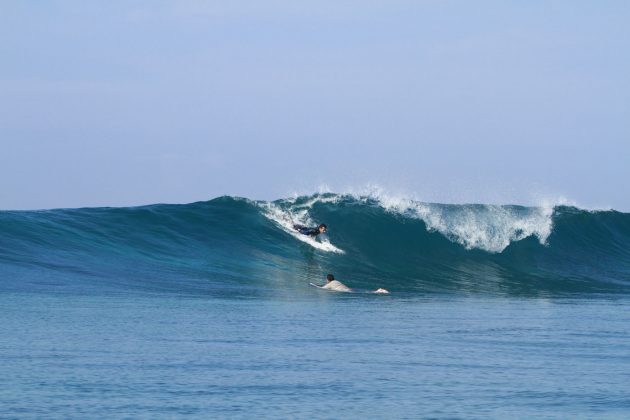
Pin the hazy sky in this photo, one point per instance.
(131, 102)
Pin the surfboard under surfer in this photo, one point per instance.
(314, 231)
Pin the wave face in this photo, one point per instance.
(237, 247)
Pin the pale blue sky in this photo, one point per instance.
(131, 102)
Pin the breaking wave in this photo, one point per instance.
(235, 246)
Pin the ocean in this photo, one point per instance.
(205, 310)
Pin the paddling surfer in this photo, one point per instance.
(337, 286)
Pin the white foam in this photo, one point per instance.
(488, 227)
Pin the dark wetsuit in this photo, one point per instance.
(306, 230)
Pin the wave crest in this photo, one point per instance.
(491, 228)
(373, 241)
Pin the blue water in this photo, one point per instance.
(204, 310)
(315, 355)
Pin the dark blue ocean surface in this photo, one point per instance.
(205, 310)
(317, 355)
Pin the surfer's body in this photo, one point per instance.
(314, 231)
(337, 286)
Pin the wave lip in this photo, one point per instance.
(490, 228)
